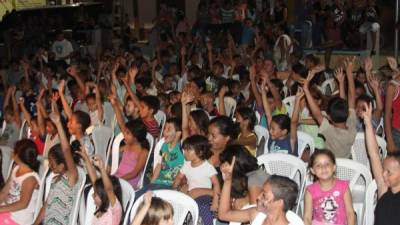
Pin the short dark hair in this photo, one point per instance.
(338, 110)
(283, 121)
(152, 102)
(201, 119)
(199, 144)
(364, 98)
(225, 126)
(83, 119)
(284, 189)
(176, 122)
(245, 161)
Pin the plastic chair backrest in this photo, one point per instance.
(285, 165)
(156, 153)
(230, 105)
(75, 208)
(161, 118)
(143, 175)
(371, 198)
(108, 114)
(359, 151)
(25, 130)
(304, 140)
(114, 153)
(289, 104)
(261, 133)
(181, 203)
(102, 136)
(357, 173)
(6, 153)
(329, 83)
(380, 130)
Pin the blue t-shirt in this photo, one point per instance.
(248, 35)
(282, 146)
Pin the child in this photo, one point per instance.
(328, 200)
(148, 107)
(107, 193)
(171, 155)
(195, 122)
(201, 176)
(386, 175)
(94, 104)
(65, 185)
(154, 211)
(282, 130)
(18, 196)
(247, 120)
(78, 122)
(340, 130)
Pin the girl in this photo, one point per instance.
(65, 185)
(328, 200)
(136, 149)
(221, 131)
(195, 122)
(281, 139)
(94, 104)
(386, 175)
(107, 193)
(18, 196)
(201, 176)
(247, 120)
(154, 211)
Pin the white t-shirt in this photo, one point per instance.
(290, 216)
(62, 49)
(198, 177)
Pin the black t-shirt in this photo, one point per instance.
(355, 16)
(371, 14)
(387, 211)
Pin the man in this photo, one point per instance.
(62, 49)
(370, 25)
(278, 196)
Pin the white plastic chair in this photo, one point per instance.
(156, 153)
(161, 117)
(25, 130)
(304, 140)
(75, 208)
(262, 133)
(230, 105)
(128, 197)
(380, 130)
(102, 136)
(181, 203)
(289, 104)
(371, 199)
(114, 152)
(328, 86)
(150, 139)
(359, 151)
(359, 177)
(5, 159)
(258, 116)
(108, 114)
(288, 166)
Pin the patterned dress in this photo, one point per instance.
(60, 201)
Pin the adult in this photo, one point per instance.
(278, 196)
(370, 24)
(62, 49)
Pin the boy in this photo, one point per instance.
(340, 130)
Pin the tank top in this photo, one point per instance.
(396, 106)
(23, 216)
(328, 206)
(127, 164)
(387, 209)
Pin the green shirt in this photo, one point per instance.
(171, 163)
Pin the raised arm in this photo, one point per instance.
(351, 96)
(295, 118)
(274, 91)
(265, 103)
(373, 151)
(99, 103)
(186, 98)
(116, 105)
(314, 108)
(108, 186)
(64, 102)
(221, 100)
(15, 107)
(373, 82)
(66, 148)
(225, 212)
(27, 117)
(73, 71)
(253, 84)
(88, 164)
(141, 214)
(340, 79)
(390, 93)
(132, 72)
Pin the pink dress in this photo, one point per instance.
(111, 217)
(127, 165)
(328, 206)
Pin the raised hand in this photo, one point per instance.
(339, 75)
(61, 86)
(132, 72)
(55, 114)
(366, 114)
(373, 82)
(368, 64)
(392, 63)
(349, 63)
(222, 92)
(307, 81)
(97, 161)
(73, 70)
(147, 198)
(186, 98)
(299, 94)
(227, 169)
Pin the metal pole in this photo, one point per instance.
(396, 32)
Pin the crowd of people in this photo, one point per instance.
(216, 81)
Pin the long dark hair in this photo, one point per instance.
(26, 151)
(101, 192)
(139, 131)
